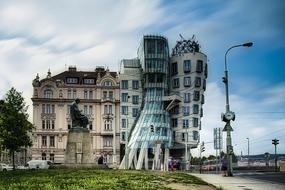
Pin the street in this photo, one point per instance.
(265, 176)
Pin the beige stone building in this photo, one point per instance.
(99, 94)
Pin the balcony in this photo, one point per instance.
(108, 99)
(51, 116)
(108, 116)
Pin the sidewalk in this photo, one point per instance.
(239, 183)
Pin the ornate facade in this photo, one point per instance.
(98, 92)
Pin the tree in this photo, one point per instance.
(14, 124)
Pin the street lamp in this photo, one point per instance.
(229, 115)
(275, 142)
(247, 151)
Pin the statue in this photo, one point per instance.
(78, 119)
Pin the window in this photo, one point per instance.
(69, 94)
(195, 109)
(195, 122)
(199, 66)
(51, 157)
(135, 112)
(107, 83)
(85, 94)
(123, 136)
(110, 95)
(85, 110)
(124, 110)
(187, 81)
(90, 94)
(48, 124)
(48, 108)
(74, 94)
(202, 99)
(136, 99)
(124, 123)
(124, 84)
(48, 94)
(187, 66)
(174, 122)
(206, 70)
(160, 46)
(201, 112)
(186, 110)
(187, 97)
(90, 126)
(51, 141)
(90, 110)
(174, 69)
(196, 96)
(105, 94)
(183, 136)
(43, 108)
(52, 109)
(195, 135)
(52, 124)
(150, 46)
(204, 84)
(135, 84)
(72, 80)
(176, 83)
(124, 97)
(175, 110)
(108, 109)
(107, 142)
(89, 81)
(43, 124)
(108, 125)
(44, 140)
(185, 123)
(151, 78)
(44, 156)
(197, 81)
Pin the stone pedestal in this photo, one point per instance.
(78, 148)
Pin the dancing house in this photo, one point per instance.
(161, 102)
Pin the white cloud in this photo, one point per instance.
(254, 119)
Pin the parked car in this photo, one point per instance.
(5, 167)
(39, 164)
(22, 167)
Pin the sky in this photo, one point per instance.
(39, 35)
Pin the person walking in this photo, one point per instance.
(224, 166)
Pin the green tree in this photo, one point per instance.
(14, 124)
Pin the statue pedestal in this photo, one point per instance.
(78, 148)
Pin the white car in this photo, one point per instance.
(5, 167)
(39, 164)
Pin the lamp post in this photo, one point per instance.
(247, 151)
(275, 142)
(229, 115)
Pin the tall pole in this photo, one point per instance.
(247, 152)
(275, 158)
(275, 142)
(228, 116)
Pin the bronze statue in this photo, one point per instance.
(78, 119)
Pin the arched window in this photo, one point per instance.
(107, 83)
(48, 93)
(44, 156)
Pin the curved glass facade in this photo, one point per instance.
(152, 131)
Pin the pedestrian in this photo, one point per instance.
(224, 166)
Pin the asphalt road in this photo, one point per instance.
(264, 176)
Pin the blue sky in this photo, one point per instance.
(37, 35)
